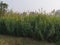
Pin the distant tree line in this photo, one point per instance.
(4, 7)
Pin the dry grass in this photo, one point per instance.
(7, 40)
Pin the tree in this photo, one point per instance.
(53, 12)
(57, 13)
(3, 8)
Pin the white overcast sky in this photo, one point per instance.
(24, 5)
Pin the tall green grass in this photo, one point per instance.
(40, 26)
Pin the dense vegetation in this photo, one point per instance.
(39, 27)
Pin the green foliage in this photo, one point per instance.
(3, 8)
(39, 27)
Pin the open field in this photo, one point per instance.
(8, 40)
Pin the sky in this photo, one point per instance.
(31, 5)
